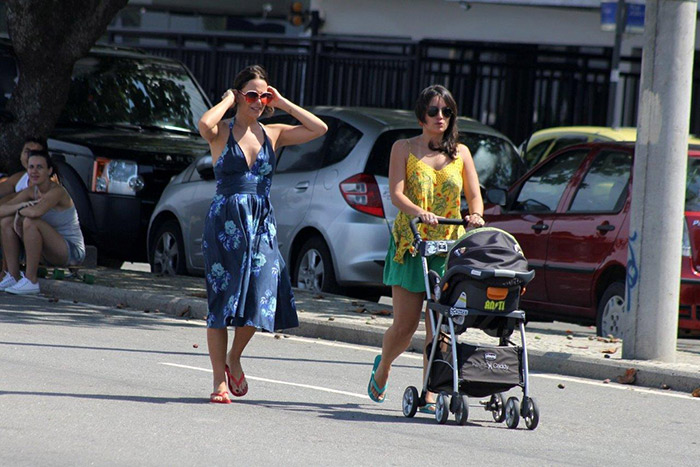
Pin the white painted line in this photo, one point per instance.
(274, 381)
(612, 385)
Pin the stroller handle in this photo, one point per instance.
(416, 220)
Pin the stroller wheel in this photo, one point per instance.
(512, 412)
(409, 403)
(462, 409)
(497, 407)
(442, 408)
(530, 413)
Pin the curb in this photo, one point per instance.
(649, 374)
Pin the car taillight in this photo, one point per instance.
(361, 192)
(685, 246)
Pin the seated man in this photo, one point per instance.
(42, 217)
(18, 181)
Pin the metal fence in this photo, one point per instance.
(514, 88)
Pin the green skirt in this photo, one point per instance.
(409, 275)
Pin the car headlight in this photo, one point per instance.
(116, 176)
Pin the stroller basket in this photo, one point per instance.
(483, 370)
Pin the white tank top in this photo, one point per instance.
(22, 183)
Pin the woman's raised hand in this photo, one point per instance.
(277, 99)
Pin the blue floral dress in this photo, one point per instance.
(247, 280)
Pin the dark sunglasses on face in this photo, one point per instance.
(252, 96)
(433, 111)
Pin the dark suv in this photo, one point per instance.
(129, 126)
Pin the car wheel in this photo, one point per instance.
(168, 250)
(313, 270)
(611, 310)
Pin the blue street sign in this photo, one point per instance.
(634, 20)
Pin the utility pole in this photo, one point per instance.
(614, 111)
(658, 182)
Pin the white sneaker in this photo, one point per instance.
(24, 287)
(7, 281)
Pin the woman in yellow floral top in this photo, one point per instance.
(427, 174)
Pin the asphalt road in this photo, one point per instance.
(84, 385)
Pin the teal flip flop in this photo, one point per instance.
(428, 408)
(373, 384)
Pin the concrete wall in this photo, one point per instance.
(439, 19)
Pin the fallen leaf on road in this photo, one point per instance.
(359, 310)
(53, 300)
(629, 377)
(285, 336)
(319, 296)
(606, 381)
(610, 351)
(570, 337)
(277, 336)
(606, 355)
(538, 337)
(120, 305)
(569, 331)
(184, 311)
(381, 312)
(560, 386)
(591, 338)
(665, 386)
(147, 311)
(331, 319)
(577, 346)
(196, 346)
(75, 301)
(696, 392)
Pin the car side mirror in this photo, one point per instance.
(205, 168)
(496, 196)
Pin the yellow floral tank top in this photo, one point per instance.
(436, 191)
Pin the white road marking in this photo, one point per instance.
(611, 385)
(274, 381)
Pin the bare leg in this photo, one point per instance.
(240, 341)
(407, 309)
(42, 239)
(10, 244)
(217, 341)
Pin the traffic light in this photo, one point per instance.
(297, 15)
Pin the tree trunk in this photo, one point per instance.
(48, 37)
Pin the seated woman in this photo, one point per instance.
(43, 218)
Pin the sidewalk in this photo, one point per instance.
(331, 317)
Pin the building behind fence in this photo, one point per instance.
(514, 88)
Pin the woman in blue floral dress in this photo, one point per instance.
(248, 286)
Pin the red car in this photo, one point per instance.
(570, 214)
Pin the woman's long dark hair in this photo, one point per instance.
(249, 73)
(450, 139)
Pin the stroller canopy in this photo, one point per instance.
(489, 249)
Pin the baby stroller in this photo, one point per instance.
(485, 275)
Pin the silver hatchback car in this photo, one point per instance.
(330, 196)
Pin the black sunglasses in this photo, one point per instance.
(433, 111)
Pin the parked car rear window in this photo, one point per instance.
(144, 92)
(345, 137)
(534, 155)
(542, 191)
(692, 192)
(302, 157)
(496, 160)
(603, 189)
